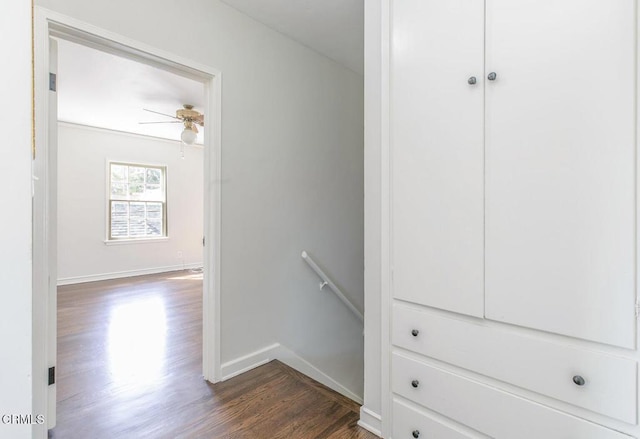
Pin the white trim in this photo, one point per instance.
(211, 360)
(373, 205)
(386, 196)
(128, 273)
(370, 421)
(41, 261)
(293, 360)
(250, 361)
(637, 169)
(102, 39)
(135, 241)
(46, 23)
(281, 353)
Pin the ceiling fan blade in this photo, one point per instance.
(162, 114)
(168, 121)
(199, 120)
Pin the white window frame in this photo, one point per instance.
(110, 199)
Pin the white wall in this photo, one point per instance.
(318, 187)
(372, 408)
(83, 154)
(15, 233)
(292, 173)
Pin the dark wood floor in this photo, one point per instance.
(130, 363)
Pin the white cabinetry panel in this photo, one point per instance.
(409, 423)
(544, 367)
(560, 163)
(437, 154)
(493, 412)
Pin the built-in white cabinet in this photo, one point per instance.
(513, 218)
(560, 154)
(513, 131)
(437, 125)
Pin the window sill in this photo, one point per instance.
(135, 241)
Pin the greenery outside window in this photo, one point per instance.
(137, 201)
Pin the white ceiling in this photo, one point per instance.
(99, 89)
(103, 90)
(335, 28)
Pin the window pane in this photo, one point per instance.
(136, 191)
(136, 174)
(119, 190)
(136, 210)
(136, 220)
(154, 227)
(154, 176)
(154, 210)
(154, 219)
(136, 228)
(153, 192)
(119, 219)
(118, 173)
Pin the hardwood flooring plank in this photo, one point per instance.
(321, 388)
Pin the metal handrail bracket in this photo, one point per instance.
(326, 281)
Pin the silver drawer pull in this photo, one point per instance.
(578, 380)
(416, 433)
(415, 384)
(415, 332)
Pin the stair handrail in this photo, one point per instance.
(326, 281)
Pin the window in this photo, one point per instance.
(137, 201)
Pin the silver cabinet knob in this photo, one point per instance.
(415, 332)
(578, 380)
(492, 76)
(472, 80)
(415, 384)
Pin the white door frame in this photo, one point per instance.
(48, 23)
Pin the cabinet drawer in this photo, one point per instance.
(409, 423)
(533, 364)
(493, 412)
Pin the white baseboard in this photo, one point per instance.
(251, 361)
(293, 360)
(370, 421)
(121, 274)
(279, 352)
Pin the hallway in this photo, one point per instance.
(129, 366)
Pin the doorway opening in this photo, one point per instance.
(129, 217)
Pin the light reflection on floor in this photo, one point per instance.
(136, 342)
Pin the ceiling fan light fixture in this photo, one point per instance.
(189, 117)
(188, 136)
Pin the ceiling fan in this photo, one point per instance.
(187, 116)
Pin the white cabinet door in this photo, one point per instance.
(561, 166)
(437, 153)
